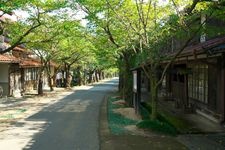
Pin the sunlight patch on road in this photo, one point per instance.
(71, 106)
(83, 87)
(21, 134)
(75, 106)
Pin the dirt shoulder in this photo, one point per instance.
(133, 140)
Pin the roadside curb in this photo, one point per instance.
(105, 142)
(109, 141)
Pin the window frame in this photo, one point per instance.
(198, 82)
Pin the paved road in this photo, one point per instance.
(74, 121)
(70, 124)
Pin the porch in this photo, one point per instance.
(197, 123)
(200, 120)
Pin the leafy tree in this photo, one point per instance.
(102, 20)
(140, 29)
(125, 33)
(17, 30)
(105, 57)
(43, 44)
(73, 47)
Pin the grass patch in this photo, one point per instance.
(180, 124)
(158, 126)
(165, 120)
(8, 116)
(13, 115)
(161, 125)
(166, 123)
(21, 110)
(117, 122)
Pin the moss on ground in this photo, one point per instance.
(165, 123)
(117, 122)
(161, 125)
(13, 115)
(180, 124)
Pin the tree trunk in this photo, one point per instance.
(120, 82)
(50, 83)
(127, 84)
(154, 100)
(96, 76)
(90, 77)
(154, 96)
(84, 78)
(100, 74)
(49, 76)
(93, 78)
(40, 82)
(103, 75)
(68, 76)
(79, 78)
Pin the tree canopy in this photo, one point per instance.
(117, 34)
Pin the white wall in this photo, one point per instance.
(4, 73)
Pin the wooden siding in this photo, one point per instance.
(212, 96)
(178, 90)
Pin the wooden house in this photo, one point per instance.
(10, 78)
(196, 79)
(19, 72)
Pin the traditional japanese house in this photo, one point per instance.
(29, 68)
(20, 69)
(196, 79)
(10, 78)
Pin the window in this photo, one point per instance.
(198, 83)
(31, 74)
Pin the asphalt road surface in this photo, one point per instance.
(72, 123)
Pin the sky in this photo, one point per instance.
(78, 15)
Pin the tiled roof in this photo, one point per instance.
(8, 59)
(202, 47)
(23, 62)
(213, 46)
(17, 48)
(20, 49)
(28, 63)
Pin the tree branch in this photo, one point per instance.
(179, 52)
(18, 41)
(192, 7)
(111, 38)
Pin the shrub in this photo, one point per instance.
(158, 126)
